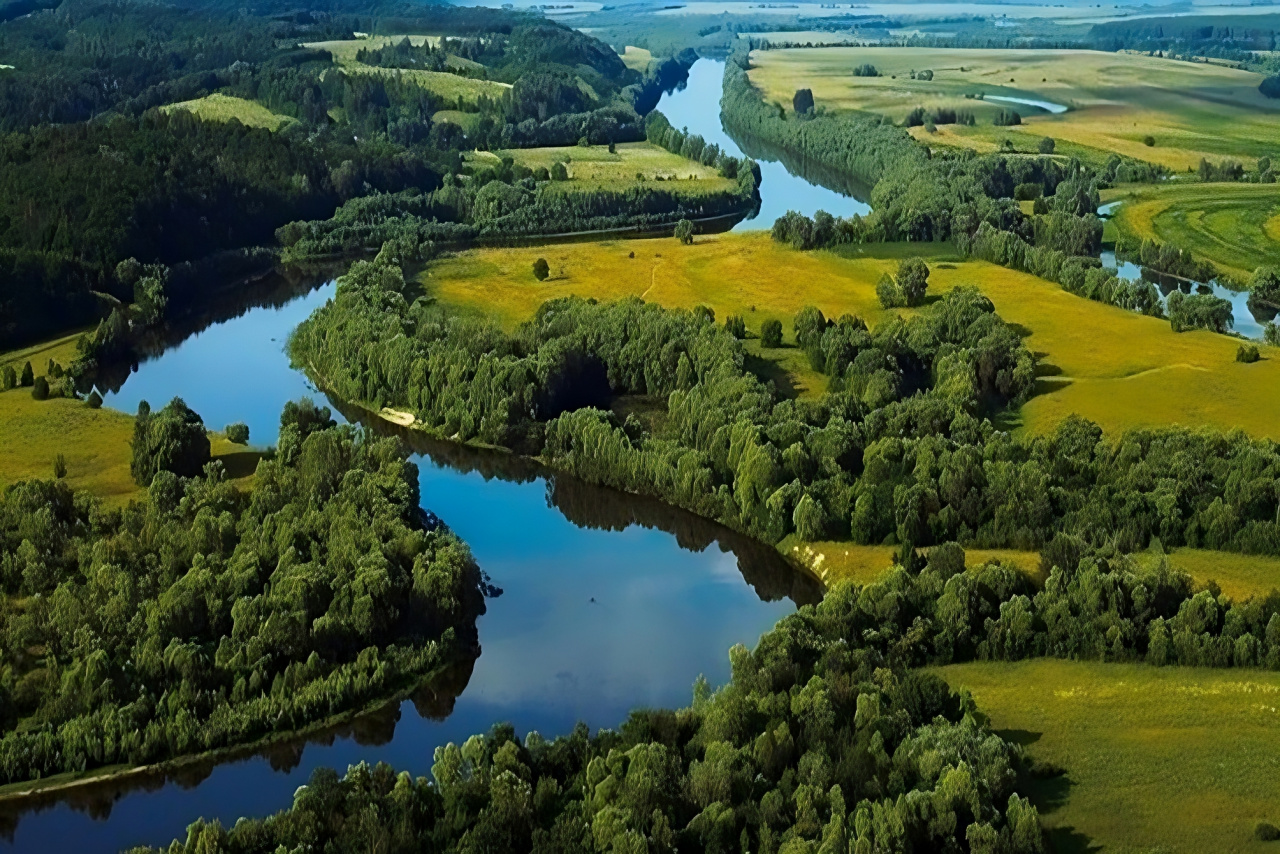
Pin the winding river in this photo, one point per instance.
(609, 602)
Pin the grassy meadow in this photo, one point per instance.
(1238, 576)
(1234, 226)
(1115, 100)
(223, 108)
(595, 167)
(637, 58)
(1112, 366)
(463, 91)
(834, 562)
(1157, 759)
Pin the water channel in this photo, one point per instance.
(609, 602)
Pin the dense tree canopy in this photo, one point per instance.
(206, 616)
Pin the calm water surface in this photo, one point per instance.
(696, 106)
(609, 603)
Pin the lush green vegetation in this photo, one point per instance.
(207, 616)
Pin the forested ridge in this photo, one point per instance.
(100, 162)
(207, 616)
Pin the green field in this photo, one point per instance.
(1192, 110)
(463, 92)
(1117, 368)
(223, 108)
(1239, 576)
(1157, 759)
(834, 562)
(1234, 226)
(595, 167)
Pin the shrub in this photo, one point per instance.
(541, 269)
(684, 232)
(771, 333)
(238, 433)
(1149, 141)
(28, 375)
(40, 389)
(1247, 353)
(94, 400)
(888, 292)
(913, 280)
(8, 378)
(1028, 192)
(736, 326)
(866, 70)
(1006, 118)
(59, 467)
(1047, 145)
(1270, 87)
(1271, 334)
(802, 101)
(172, 440)
(559, 172)
(1265, 831)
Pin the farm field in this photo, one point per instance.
(1234, 226)
(344, 50)
(1114, 101)
(1157, 759)
(223, 108)
(595, 167)
(1117, 368)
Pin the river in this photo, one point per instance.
(608, 603)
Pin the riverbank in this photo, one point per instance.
(16, 792)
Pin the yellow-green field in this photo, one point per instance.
(464, 120)
(61, 350)
(1234, 226)
(1157, 759)
(463, 91)
(834, 562)
(1112, 366)
(595, 167)
(345, 50)
(1239, 576)
(636, 58)
(223, 108)
(1192, 110)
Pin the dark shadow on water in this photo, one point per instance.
(602, 508)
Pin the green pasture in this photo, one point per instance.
(1178, 760)
(595, 167)
(1234, 226)
(223, 108)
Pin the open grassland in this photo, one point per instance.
(464, 120)
(637, 58)
(1112, 366)
(1234, 226)
(61, 350)
(463, 91)
(1238, 576)
(1157, 759)
(595, 167)
(1192, 110)
(223, 108)
(344, 50)
(834, 562)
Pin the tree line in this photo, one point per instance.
(206, 616)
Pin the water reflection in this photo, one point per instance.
(787, 182)
(610, 603)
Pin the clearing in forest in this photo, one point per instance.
(1114, 101)
(595, 167)
(223, 108)
(1172, 759)
(1112, 366)
(459, 91)
(1236, 227)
